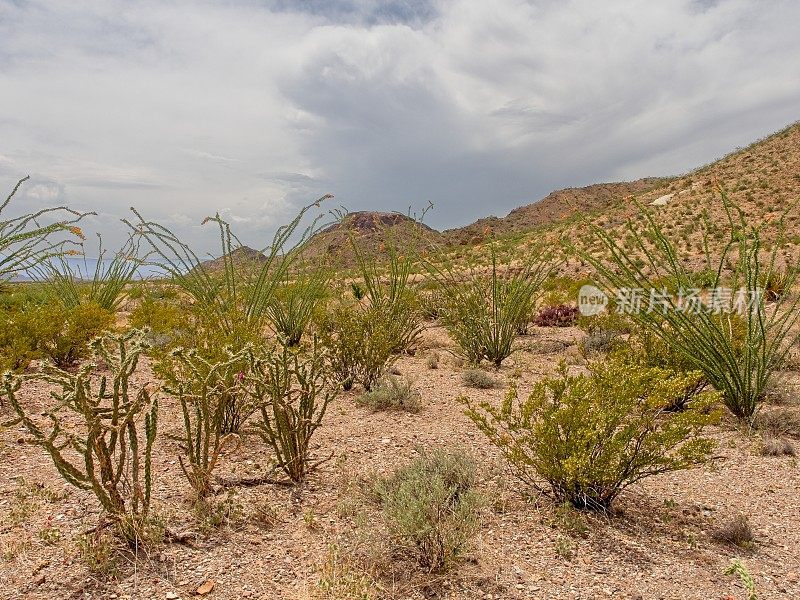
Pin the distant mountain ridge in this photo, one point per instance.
(762, 178)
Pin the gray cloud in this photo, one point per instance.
(254, 108)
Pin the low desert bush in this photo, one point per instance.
(479, 379)
(772, 445)
(560, 315)
(736, 532)
(646, 349)
(778, 422)
(105, 424)
(392, 393)
(17, 339)
(363, 339)
(62, 334)
(588, 437)
(432, 360)
(166, 319)
(431, 510)
(290, 390)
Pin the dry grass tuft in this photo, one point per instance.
(781, 422)
(736, 532)
(777, 446)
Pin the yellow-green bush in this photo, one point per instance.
(363, 339)
(62, 334)
(588, 437)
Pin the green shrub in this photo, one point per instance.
(589, 437)
(107, 426)
(291, 391)
(392, 393)
(646, 349)
(17, 341)
(167, 320)
(62, 334)
(737, 353)
(431, 510)
(483, 312)
(363, 339)
(478, 379)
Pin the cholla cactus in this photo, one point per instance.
(103, 453)
(205, 389)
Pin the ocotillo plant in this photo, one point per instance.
(737, 350)
(24, 243)
(104, 454)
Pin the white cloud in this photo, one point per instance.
(252, 109)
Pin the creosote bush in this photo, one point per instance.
(646, 349)
(110, 450)
(431, 510)
(588, 437)
(392, 393)
(363, 339)
(62, 333)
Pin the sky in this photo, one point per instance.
(254, 108)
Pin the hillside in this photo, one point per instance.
(557, 206)
(372, 231)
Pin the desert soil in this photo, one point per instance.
(279, 541)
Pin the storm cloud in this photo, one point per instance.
(252, 109)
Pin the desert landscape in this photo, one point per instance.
(309, 428)
(399, 300)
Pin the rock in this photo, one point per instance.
(173, 596)
(205, 588)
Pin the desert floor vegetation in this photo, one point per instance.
(263, 430)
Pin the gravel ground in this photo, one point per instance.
(278, 542)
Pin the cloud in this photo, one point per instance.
(255, 108)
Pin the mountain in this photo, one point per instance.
(555, 207)
(242, 257)
(763, 179)
(372, 232)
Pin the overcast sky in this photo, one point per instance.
(253, 108)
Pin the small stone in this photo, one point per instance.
(205, 588)
(172, 596)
